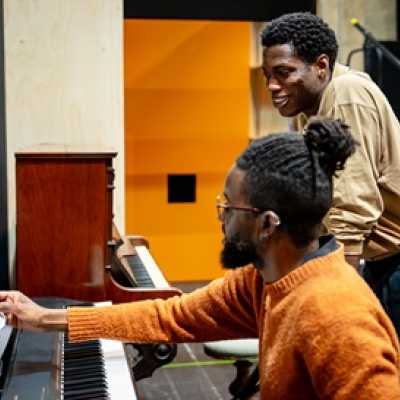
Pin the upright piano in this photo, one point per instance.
(69, 248)
(66, 238)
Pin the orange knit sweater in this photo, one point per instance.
(323, 333)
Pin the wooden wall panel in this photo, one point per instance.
(64, 81)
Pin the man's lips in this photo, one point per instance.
(280, 102)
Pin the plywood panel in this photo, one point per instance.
(64, 82)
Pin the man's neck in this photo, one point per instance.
(283, 259)
(313, 110)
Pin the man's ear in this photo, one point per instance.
(322, 65)
(269, 223)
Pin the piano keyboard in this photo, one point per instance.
(133, 274)
(46, 366)
(145, 269)
(95, 369)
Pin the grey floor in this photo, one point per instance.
(182, 379)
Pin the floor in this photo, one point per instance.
(183, 379)
(191, 375)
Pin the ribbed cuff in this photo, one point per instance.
(84, 323)
(351, 247)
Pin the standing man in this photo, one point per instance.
(299, 63)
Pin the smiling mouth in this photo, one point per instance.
(279, 102)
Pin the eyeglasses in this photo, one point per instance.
(223, 206)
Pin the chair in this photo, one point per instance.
(244, 352)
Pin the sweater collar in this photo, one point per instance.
(315, 264)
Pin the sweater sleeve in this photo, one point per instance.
(353, 357)
(222, 310)
(357, 202)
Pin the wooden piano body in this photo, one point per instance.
(66, 240)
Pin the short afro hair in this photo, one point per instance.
(308, 34)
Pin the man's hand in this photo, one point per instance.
(23, 313)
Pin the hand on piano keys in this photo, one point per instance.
(23, 313)
(97, 369)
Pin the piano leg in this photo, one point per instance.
(145, 358)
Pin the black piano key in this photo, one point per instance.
(88, 371)
(94, 390)
(94, 386)
(73, 349)
(81, 355)
(84, 374)
(82, 380)
(139, 271)
(88, 397)
(85, 394)
(89, 362)
(88, 368)
(82, 393)
(71, 375)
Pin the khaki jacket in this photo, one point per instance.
(365, 215)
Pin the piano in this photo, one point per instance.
(66, 236)
(37, 365)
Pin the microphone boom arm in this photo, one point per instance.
(370, 39)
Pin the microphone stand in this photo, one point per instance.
(370, 43)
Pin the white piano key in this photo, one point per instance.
(152, 269)
(119, 380)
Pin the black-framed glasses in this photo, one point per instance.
(223, 206)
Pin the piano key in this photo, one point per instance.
(85, 393)
(119, 377)
(152, 270)
(139, 272)
(115, 383)
(81, 379)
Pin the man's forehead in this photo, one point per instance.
(280, 54)
(234, 182)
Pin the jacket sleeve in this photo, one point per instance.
(357, 202)
(222, 310)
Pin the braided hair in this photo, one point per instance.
(291, 174)
(309, 35)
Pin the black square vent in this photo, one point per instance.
(181, 188)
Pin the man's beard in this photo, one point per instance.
(237, 253)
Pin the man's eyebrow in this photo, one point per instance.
(280, 66)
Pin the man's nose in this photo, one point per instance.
(273, 85)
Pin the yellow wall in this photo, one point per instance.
(186, 111)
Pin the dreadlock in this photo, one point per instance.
(291, 174)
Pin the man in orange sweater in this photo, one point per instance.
(323, 333)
